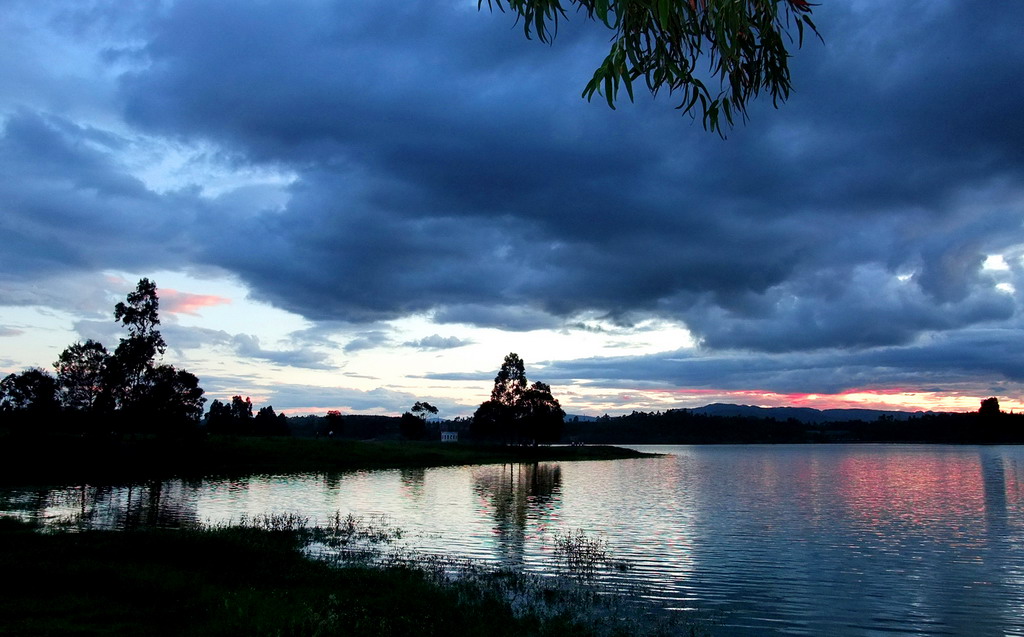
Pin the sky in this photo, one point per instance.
(353, 206)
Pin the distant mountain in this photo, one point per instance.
(802, 414)
(580, 417)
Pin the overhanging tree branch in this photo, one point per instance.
(744, 43)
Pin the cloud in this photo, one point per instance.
(934, 362)
(175, 302)
(385, 220)
(108, 333)
(436, 341)
(428, 160)
(72, 208)
(380, 400)
(368, 340)
(10, 331)
(248, 346)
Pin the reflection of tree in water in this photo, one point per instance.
(332, 481)
(514, 494)
(171, 503)
(993, 474)
(412, 481)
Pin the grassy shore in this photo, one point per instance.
(62, 458)
(234, 581)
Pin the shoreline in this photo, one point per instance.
(257, 580)
(60, 459)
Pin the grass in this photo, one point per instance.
(62, 458)
(254, 578)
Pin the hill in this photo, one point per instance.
(804, 414)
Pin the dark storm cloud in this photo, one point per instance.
(68, 206)
(443, 164)
(458, 171)
(941, 361)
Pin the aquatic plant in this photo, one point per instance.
(581, 554)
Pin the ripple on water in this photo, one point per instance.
(837, 540)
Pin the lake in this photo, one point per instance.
(761, 540)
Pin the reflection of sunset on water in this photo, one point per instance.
(769, 539)
(522, 499)
(915, 492)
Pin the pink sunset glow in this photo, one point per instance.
(898, 399)
(175, 302)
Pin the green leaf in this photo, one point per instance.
(664, 11)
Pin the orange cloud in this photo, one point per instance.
(175, 302)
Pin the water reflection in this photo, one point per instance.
(993, 479)
(412, 482)
(513, 495)
(837, 540)
(165, 504)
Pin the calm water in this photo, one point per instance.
(818, 540)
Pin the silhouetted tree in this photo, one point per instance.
(128, 387)
(267, 423)
(334, 424)
(135, 356)
(170, 398)
(33, 391)
(510, 383)
(413, 424)
(219, 419)
(992, 425)
(989, 407)
(241, 410)
(80, 372)
(490, 421)
(412, 427)
(237, 418)
(421, 409)
(517, 411)
(542, 418)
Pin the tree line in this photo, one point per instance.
(127, 390)
(988, 425)
(517, 412)
(130, 390)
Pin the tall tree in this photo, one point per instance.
(421, 409)
(135, 356)
(542, 416)
(518, 411)
(241, 409)
(413, 424)
(171, 397)
(742, 42)
(510, 383)
(80, 373)
(141, 313)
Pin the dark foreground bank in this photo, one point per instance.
(246, 581)
(62, 458)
